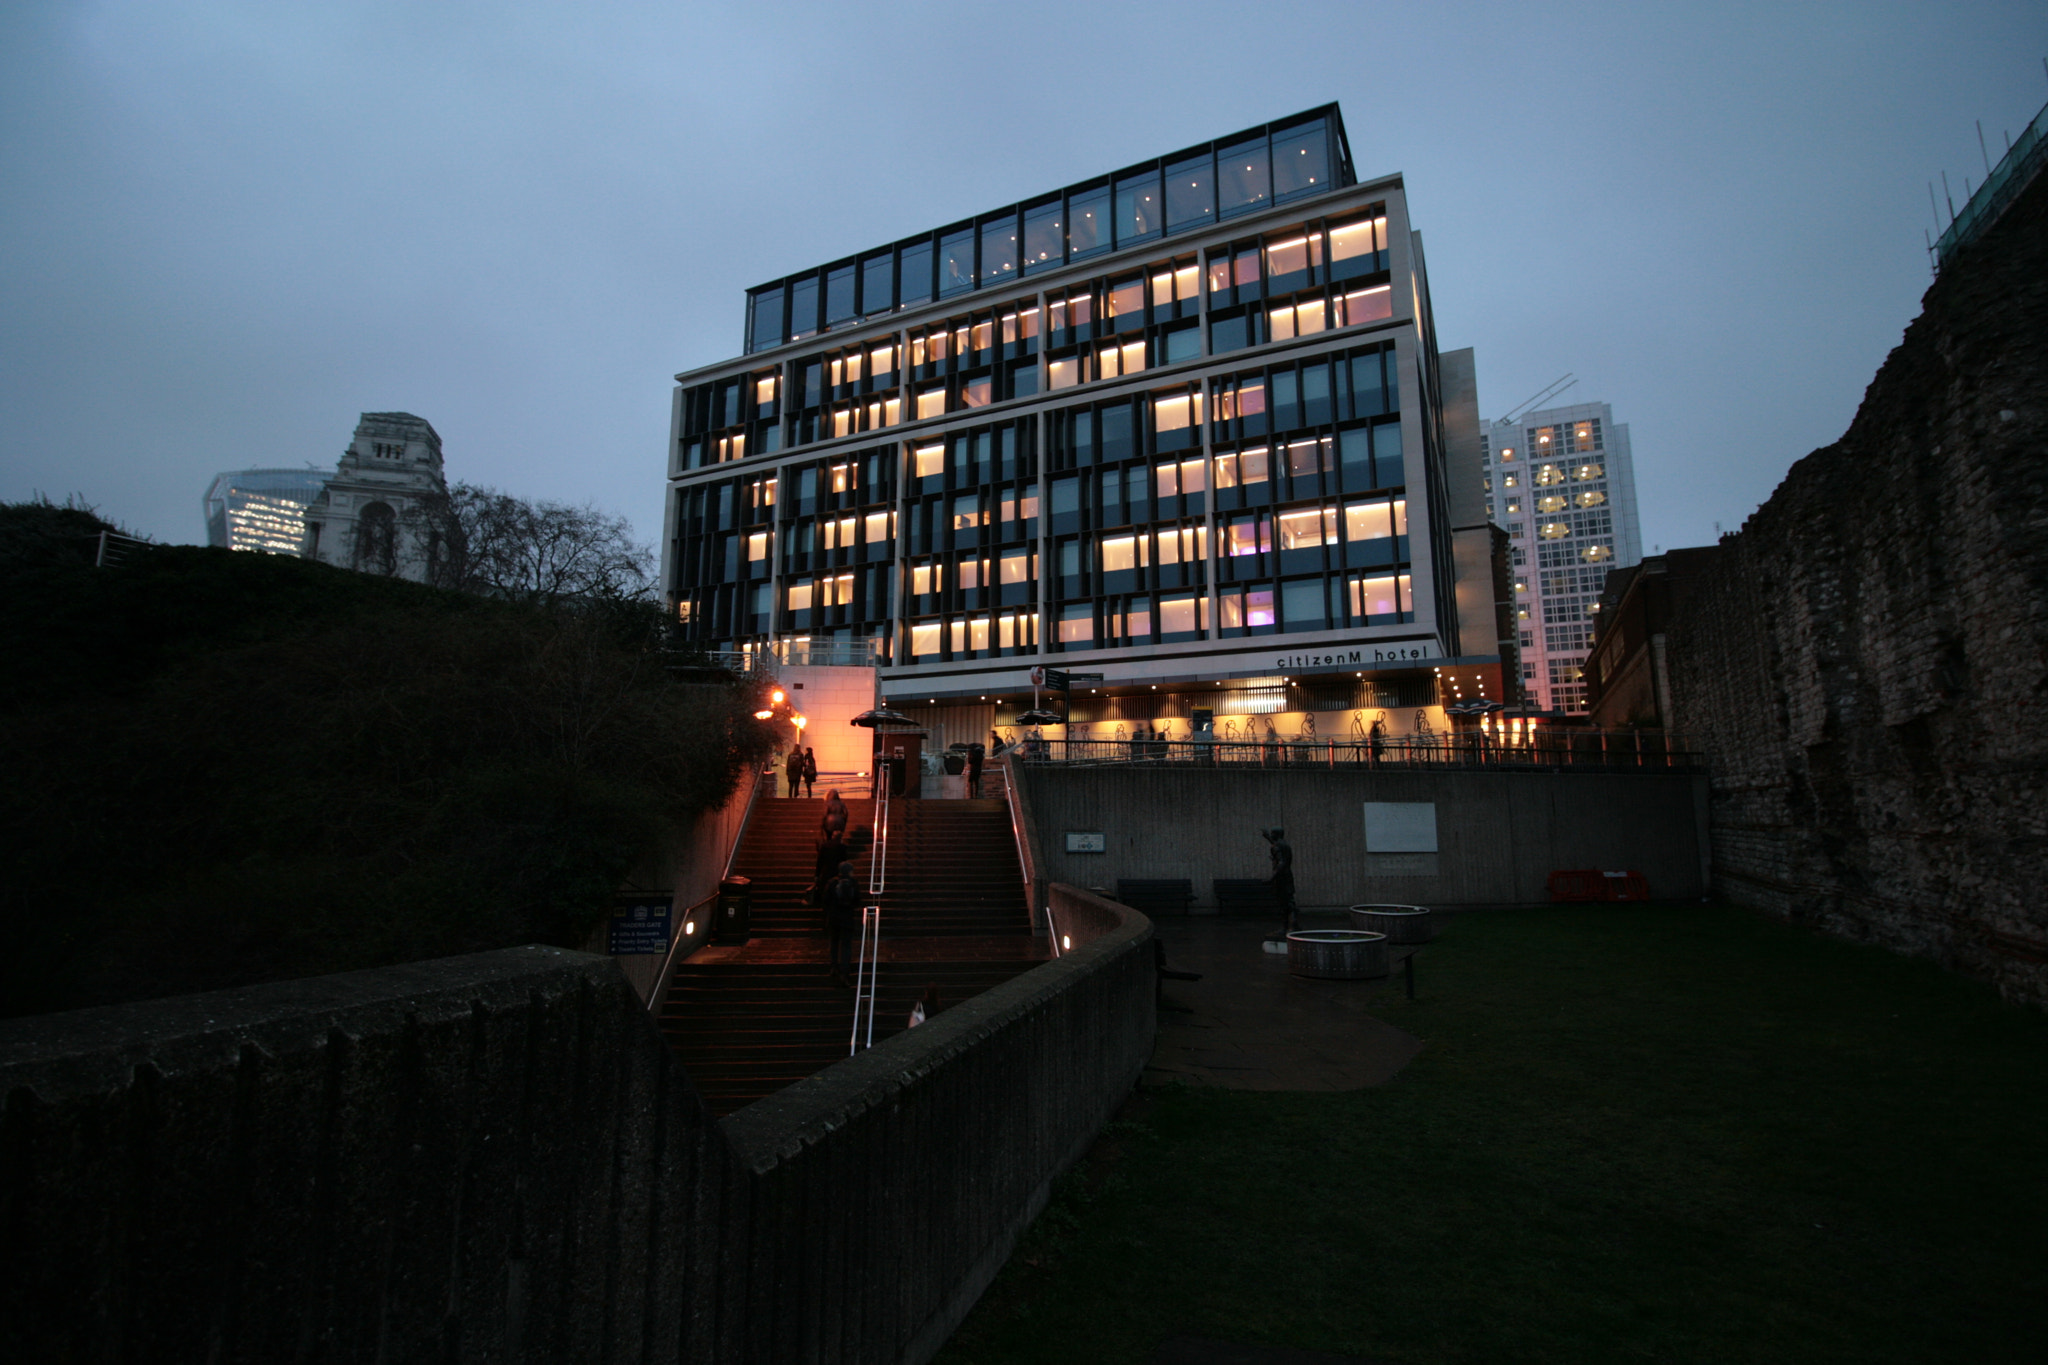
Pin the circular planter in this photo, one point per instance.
(1337, 954)
(1400, 923)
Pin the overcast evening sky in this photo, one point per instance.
(227, 229)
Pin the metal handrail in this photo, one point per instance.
(867, 970)
(656, 996)
(1024, 864)
(878, 870)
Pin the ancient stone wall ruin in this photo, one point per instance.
(1867, 663)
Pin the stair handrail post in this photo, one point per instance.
(866, 971)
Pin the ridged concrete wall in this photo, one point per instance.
(496, 1158)
(1500, 834)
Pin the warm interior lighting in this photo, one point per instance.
(763, 715)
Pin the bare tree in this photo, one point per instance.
(483, 541)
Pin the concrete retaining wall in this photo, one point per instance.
(1500, 834)
(496, 1158)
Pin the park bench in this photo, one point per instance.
(1156, 896)
(1235, 896)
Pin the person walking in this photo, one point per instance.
(793, 768)
(835, 814)
(810, 770)
(831, 854)
(842, 918)
(1282, 854)
(974, 761)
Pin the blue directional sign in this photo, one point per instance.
(640, 926)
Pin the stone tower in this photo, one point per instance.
(369, 517)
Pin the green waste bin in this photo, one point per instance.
(735, 907)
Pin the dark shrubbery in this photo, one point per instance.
(227, 768)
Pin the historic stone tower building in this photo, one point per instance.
(369, 517)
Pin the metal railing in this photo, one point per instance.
(798, 654)
(866, 969)
(657, 996)
(2013, 173)
(1592, 750)
(1025, 866)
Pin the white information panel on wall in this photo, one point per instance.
(1399, 827)
(1086, 843)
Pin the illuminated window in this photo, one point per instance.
(1294, 254)
(1507, 454)
(1596, 553)
(1077, 624)
(1357, 239)
(1590, 498)
(1552, 530)
(882, 360)
(927, 578)
(1120, 552)
(1016, 567)
(764, 391)
(1308, 528)
(931, 403)
(1550, 503)
(1375, 520)
(1549, 474)
(1244, 468)
(1588, 471)
(1308, 457)
(1177, 412)
(1177, 615)
(1126, 297)
(1361, 306)
(1113, 360)
(1381, 596)
(1244, 398)
(878, 527)
(1063, 374)
(924, 639)
(928, 460)
(1185, 477)
(837, 591)
(1248, 535)
(975, 393)
(800, 596)
(757, 547)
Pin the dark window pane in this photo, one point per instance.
(1044, 244)
(956, 262)
(1301, 161)
(917, 274)
(1241, 178)
(999, 251)
(1185, 344)
(1139, 213)
(1229, 334)
(1088, 223)
(1315, 393)
(839, 295)
(765, 327)
(1302, 604)
(803, 307)
(1386, 455)
(1116, 433)
(878, 284)
(1190, 194)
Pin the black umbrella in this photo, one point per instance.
(1039, 718)
(881, 716)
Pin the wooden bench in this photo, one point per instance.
(1241, 897)
(1158, 896)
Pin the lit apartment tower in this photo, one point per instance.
(1181, 426)
(261, 509)
(1561, 481)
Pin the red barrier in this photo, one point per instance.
(1593, 884)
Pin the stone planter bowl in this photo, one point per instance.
(1400, 923)
(1337, 954)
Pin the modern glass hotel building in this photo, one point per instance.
(1183, 425)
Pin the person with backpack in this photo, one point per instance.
(810, 770)
(793, 769)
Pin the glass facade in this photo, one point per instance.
(1159, 416)
(1275, 164)
(261, 509)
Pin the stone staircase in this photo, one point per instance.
(749, 1020)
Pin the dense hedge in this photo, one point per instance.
(225, 768)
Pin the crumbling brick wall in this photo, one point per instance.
(1867, 664)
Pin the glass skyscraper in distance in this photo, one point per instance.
(1182, 425)
(1562, 482)
(261, 509)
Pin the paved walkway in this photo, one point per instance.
(1252, 1025)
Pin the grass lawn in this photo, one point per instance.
(1636, 1133)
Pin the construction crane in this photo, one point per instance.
(1556, 387)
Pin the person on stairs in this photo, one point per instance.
(842, 918)
(831, 854)
(793, 768)
(810, 771)
(835, 814)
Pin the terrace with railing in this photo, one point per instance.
(1558, 750)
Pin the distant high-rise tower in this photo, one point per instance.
(261, 509)
(368, 516)
(1562, 482)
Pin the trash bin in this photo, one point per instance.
(735, 907)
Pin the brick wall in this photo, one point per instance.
(1866, 664)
